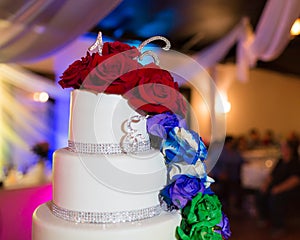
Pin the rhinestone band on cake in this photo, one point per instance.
(104, 217)
(106, 148)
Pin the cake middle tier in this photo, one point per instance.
(107, 183)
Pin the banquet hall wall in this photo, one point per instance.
(269, 100)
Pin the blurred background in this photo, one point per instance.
(239, 61)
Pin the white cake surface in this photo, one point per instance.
(46, 226)
(107, 183)
(100, 118)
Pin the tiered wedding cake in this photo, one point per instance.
(94, 182)
(109, 183)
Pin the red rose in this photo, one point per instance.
(117, 47)
(156, 92)
(107, 74)
(75, 74)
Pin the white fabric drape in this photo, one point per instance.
(35, 28)
(267, 42)
(273, 30)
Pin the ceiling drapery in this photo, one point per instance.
(32, 29)
(270, 38)
(36, 28)
(266, 43)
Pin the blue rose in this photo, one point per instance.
(183, 145)
(182, 190)
(161, 124)
(223, 227)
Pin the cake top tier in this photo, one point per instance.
(99, 120)
(114, 94)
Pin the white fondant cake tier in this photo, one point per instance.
(107, 183)
(46, 226)
(100, 118)
(88, 186)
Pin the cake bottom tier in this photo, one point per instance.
(46, 226)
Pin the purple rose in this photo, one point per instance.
(161, 124)
(182, 190)
(223, 227)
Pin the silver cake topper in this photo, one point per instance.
(99, 45)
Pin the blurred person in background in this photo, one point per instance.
(269, 140)
(242, 144)
(227, 173)
(280, 188)
(294, 141)
(254, 140)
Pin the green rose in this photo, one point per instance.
(203, 208)
(198, 232)
(199, 217)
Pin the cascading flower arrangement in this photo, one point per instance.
(188, 189)
(152, 91)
